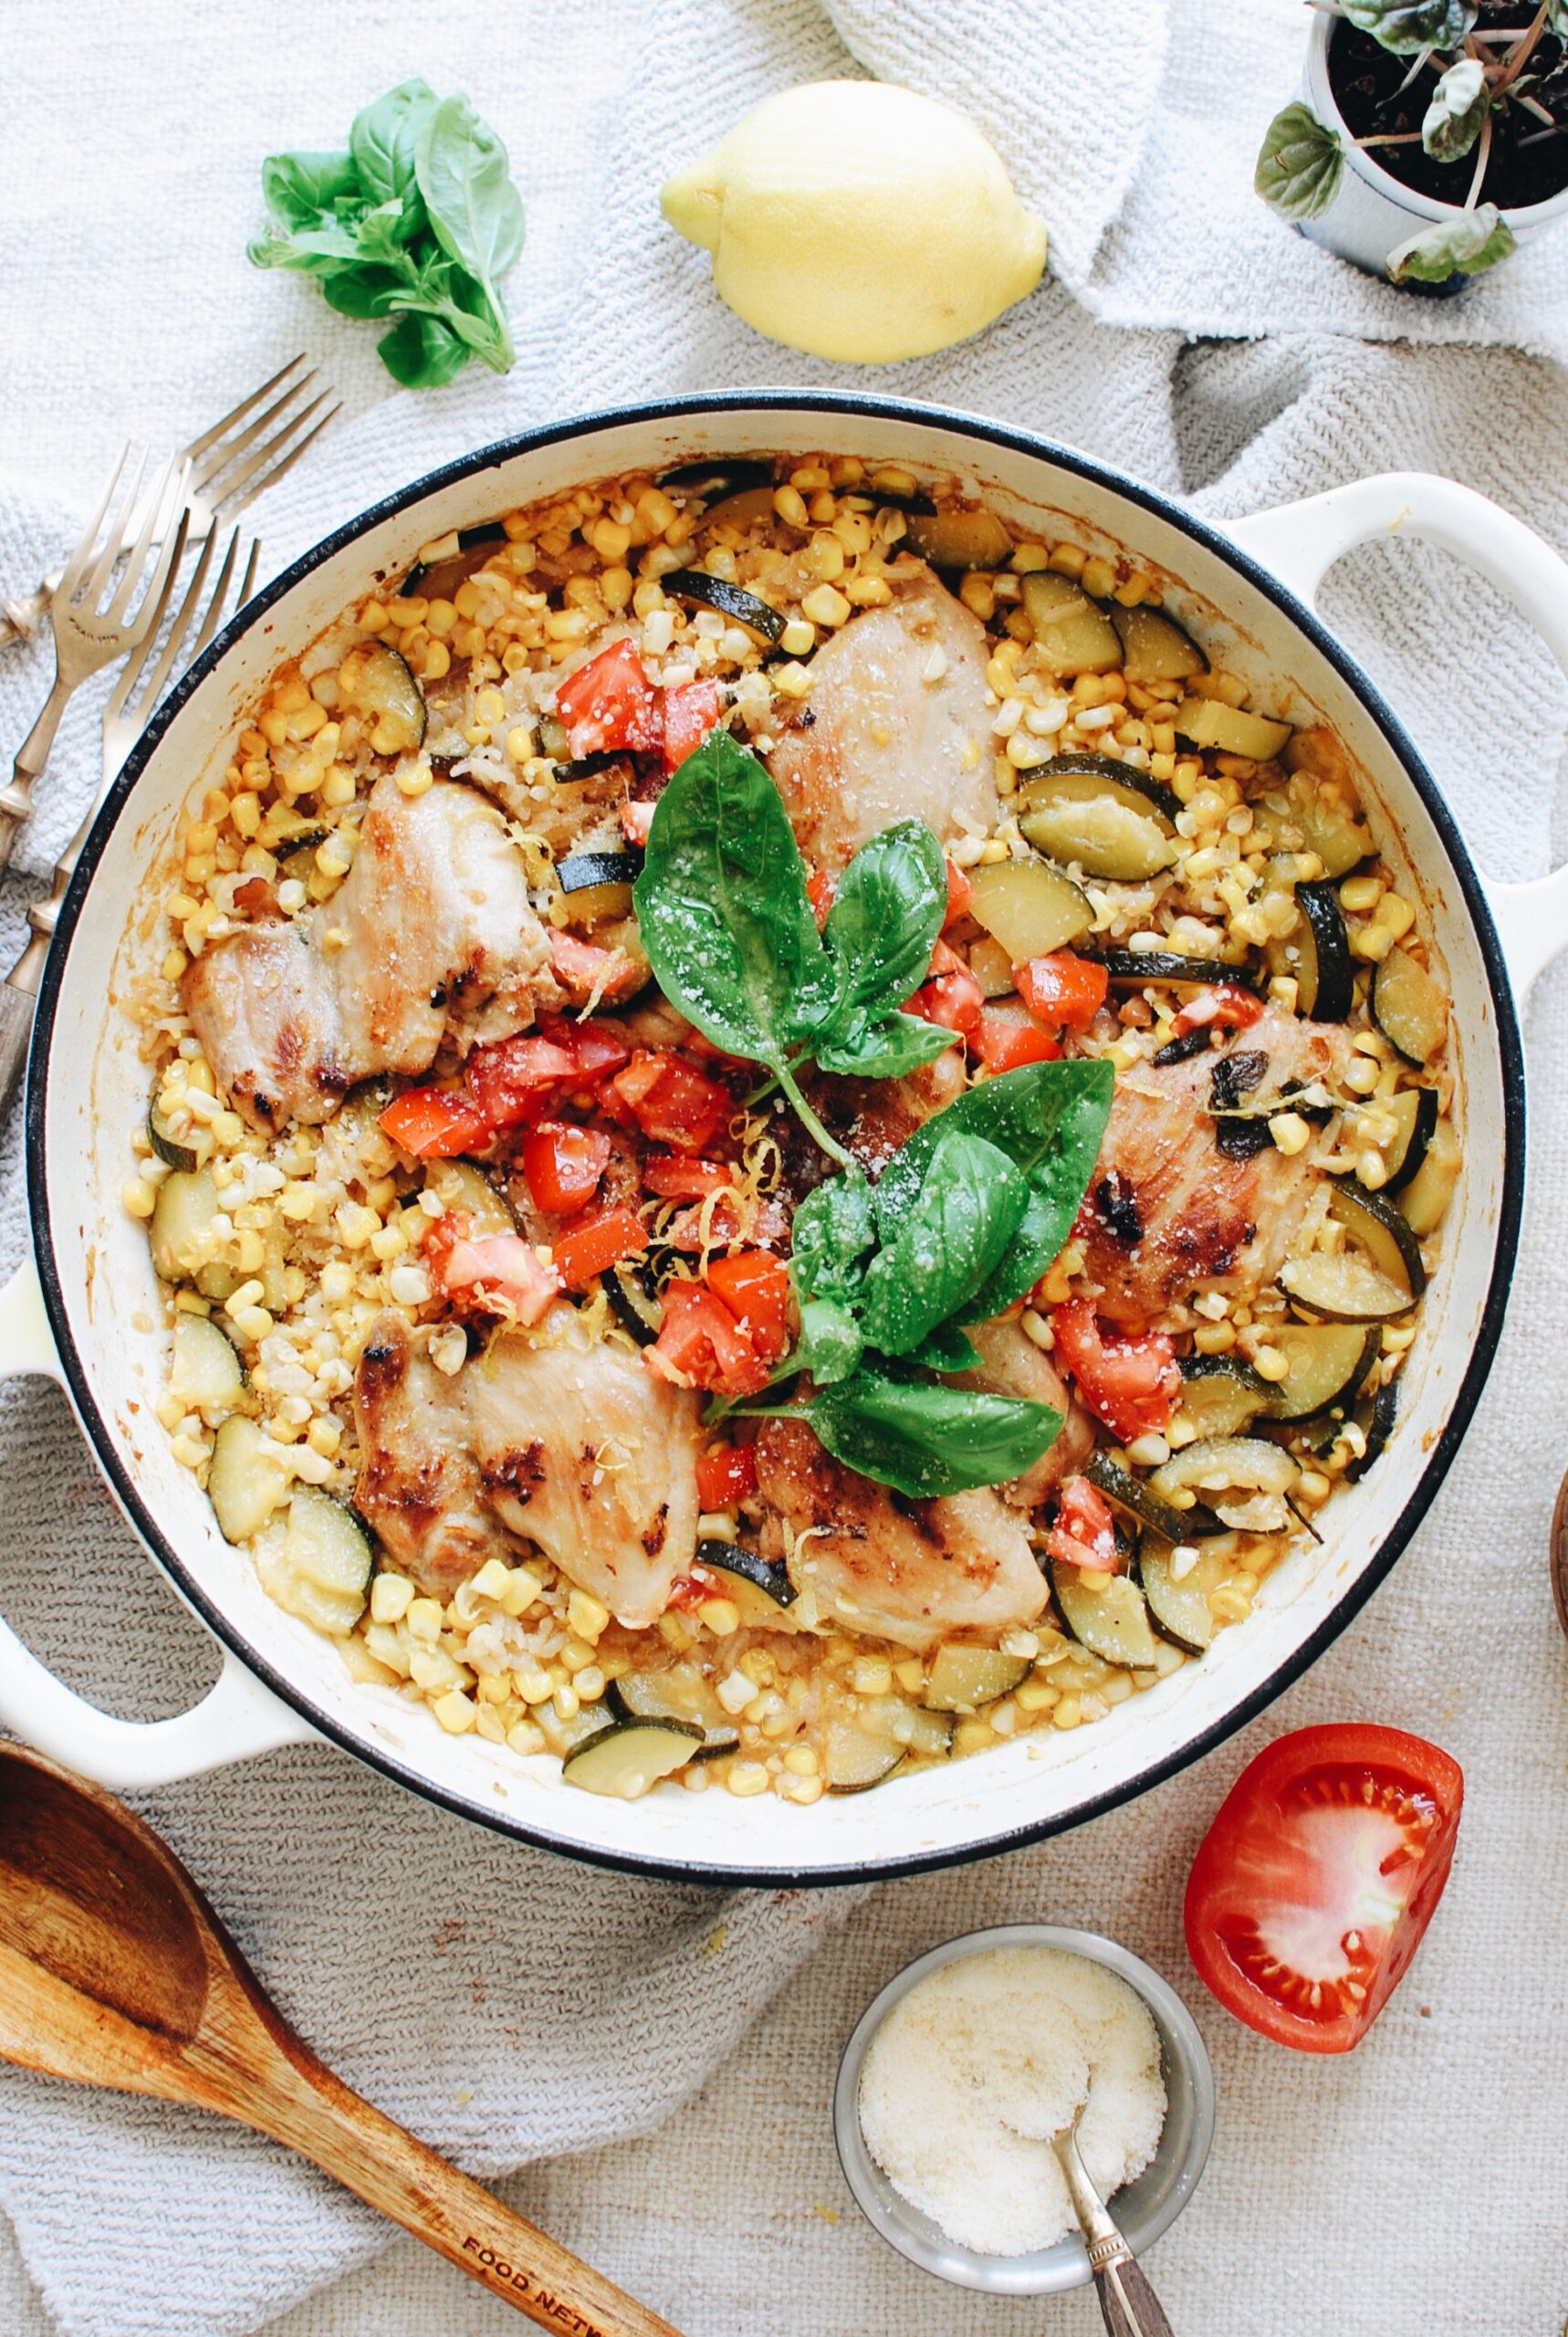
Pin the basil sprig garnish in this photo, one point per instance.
(728, 929)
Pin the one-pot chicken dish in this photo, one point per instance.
(787, 1138)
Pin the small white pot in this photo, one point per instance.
(1374, 213)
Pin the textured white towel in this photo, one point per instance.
(511, 2006)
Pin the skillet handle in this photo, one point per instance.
(237, 1718)
(1300, 541)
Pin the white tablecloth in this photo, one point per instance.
(1413, 2189)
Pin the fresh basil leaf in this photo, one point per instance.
(829, 1345)
(1461, 104)
(299, 190)
(384, 137)
(941, 1247)
(378, 238)
(832, 1229)
(926, 1439)
(1300, 165)
(330, 244)
(462, 173)
(1406, 26)
(358, 291)
(890, 1049)
(722, 908)
(421, 352)
(1462, 245)
(883, 925)
(946, 1349)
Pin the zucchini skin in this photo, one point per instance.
(1334, 978)
(732, 601)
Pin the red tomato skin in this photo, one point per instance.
(1130, 1383)
(677, 1177)
(1084, 1534)
(701, 1344)
(1064, 991)
(726, 1475)
(754, 1286)
(596, 1047)
(1252, 1814)
(583, 1251)
(563, 1164)
(512, 1081)
(1226, 1003)
(949, 995)
(436, 1123)
(611, 705)
(960, 895)
(691, 711)
(671, 1102)
(820, 891)
(1003, 1044)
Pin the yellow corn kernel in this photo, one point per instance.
(523, 1587)
(493, 1578)
(852, 529)
(587, 1617)
(790, 506)
(391, 1595)
(868, 591)
(977, 592)
(139, 1200)
(1268, 1363)
(1214, 1338)
(324, 1436)
(1291, 1133)
(910, 1675)
(973, 1737)
(1359, 893)
(455, 1712)
(823, 605)
(1395, 915)
(747, 1777)
(722, 1615)
(1035, 1697)
(415, 778)
(1373, 942)
(825, 557)
(872, 1675)
(424, 1619)
(801, 1761)
(1068, 1713)
(793, 681)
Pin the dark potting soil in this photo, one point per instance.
(1521, 169)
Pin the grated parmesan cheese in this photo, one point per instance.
(974, 2070)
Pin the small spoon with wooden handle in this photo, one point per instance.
(1128, 2306)
(115, 1971)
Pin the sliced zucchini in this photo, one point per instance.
(1416, 1111)
(1179, 1611)
(1209, 722)
(1164, 966)
(1154, 648)
(462, 1188)
(974, 539)
(962, 1678)
(245, 1485)
(1324, 968)
(1409, 1007)
(742, 511)
(1134, 1498)
(634, 1302)
(1220, 1395)
(555, 741)
(1381, 1230)
(680, 1692)
(1082, 776)
(1244, 1480)
(1378, 1422)
(723, 475)
(733, 602)
(443, 565)
(627, 1759)
(1329, 1362)
(322, 1572)
(1319, 798)
(1425, 1200)
(182, 1224)
(853, 1761)
(597, 884)
(1181, 1049)
(992, 965)
(1343, 1289)
(1106, 1614)
(924, 1736)
(173, 1150)
(1073, 633)
(563, 1736)
(204, 1372)
(1095, 826)
(1029, 907)
(760, 1588)
(377, 682)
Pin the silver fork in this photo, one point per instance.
(207, 603)
(249, 449)
(92, 618)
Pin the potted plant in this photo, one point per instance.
(1431, 137)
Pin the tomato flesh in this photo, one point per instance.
(1312, 1887)
(1084, 1534)
(1226, 1003)
(563, 1164)
(599, 1242)
(1005, 1041)
(512, 1081)
(1130, 1383)
(701, 1344)
(672, 1102)
(436, 1123)
(754, 1286)
(691, 710)
(1063, 990)
(726, 1475)
(609, 705)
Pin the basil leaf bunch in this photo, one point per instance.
(964, 1218)
(418, 220)
(727, 925)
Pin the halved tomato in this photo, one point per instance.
(1311, 1891)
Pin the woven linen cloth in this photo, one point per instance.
(512, 2008)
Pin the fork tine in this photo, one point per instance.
(199, 447)
(276, 419)
(270, 465)
(168, 486)
(76, 567)
(215, 606)
(150, 685)
(135, 664)
(119, 520)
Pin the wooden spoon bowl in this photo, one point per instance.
(115, 1971)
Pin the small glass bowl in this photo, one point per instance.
(1144, 2209)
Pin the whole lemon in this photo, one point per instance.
(859, 222)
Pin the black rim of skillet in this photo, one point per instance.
(869, 410)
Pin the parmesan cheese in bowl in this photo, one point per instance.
(968, 2061)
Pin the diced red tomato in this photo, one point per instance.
(676, 1177)
(1004, 1042)
(636, 819)
(671, 1102)
(436, 1123)
(960, 893)
(610, 704)
(1062, 990)
(1084, 1534)
(500, 1270)
(820, 891)
(596, 1046)
(727, 1474)
(1129, 1381)
(689, 1591)
(595, 1244)
(701, 1344)
(754, 1286)
(1312, 1889)
(563, 1164)
(950, 995)
(512, 1081)
(691, 711)
(589, 975)
(1226, 1003)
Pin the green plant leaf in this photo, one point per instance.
(883, 925)
(890, 1049)
(475, 211)
(926, 1439)
(946, 1349)
(384, 138)
(300, 190)
(1461, 104)
(829, 1345)
(834, 1229)
(421, 352)
(1407, 25)
(940, 1248)
(1299, 164)
(355, 290)
(1463, 245)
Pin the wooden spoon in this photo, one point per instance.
(115, 1971)
(1560, 1555)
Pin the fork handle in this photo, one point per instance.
(20, 620)
(16, 801)
(15, 1037)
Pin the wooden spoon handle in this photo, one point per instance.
(1128, 2306)
(391, 2169)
